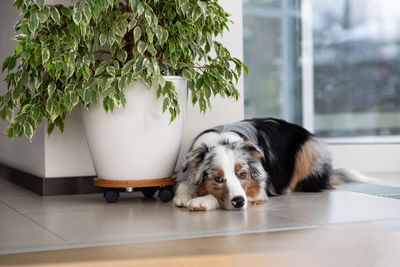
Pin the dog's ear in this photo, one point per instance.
(255, 159)
(254, 151)
(192, 167)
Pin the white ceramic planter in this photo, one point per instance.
(136, 143)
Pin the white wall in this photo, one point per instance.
(20, 154)
(368, 158)
(67, 154)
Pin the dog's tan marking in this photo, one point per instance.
(220, 172)
(252, 188)
(238, 168)
(305, 158)
(257, 202)
(336, 181)
(198, 209)
(208, 187)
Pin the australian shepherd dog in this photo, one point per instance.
(237, 165)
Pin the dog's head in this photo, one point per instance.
(231, 172)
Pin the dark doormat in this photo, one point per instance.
(371, 189)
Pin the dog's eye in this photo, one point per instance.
(219, 179)
(243, 175)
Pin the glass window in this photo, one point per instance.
(294, 4)
(272, 50)
(353, 84)
(263, 56)
(263, 3)
(356, 67)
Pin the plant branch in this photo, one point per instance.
(128, 6)
(102, 52)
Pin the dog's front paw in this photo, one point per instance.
(203, 203)
(182, 200)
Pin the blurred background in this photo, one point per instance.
(332, 66)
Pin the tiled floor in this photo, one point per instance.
(29, 222)
(366, 244)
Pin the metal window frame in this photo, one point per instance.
(307, 65)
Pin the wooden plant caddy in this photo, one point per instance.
(147, 187)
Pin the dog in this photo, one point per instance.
(237, 165)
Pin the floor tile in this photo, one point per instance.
(18, 232)
(27, 202)
(32, 221)
(10, 189)
(153, 220)
(335, 207)
(352, 245)
(34, 203)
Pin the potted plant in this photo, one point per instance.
(104, 55)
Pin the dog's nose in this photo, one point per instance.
(238, 201)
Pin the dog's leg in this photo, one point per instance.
(184, 193)
(208, 202)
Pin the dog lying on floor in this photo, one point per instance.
(237, 165)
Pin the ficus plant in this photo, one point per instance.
(93, 49)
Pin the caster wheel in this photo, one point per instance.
(148, 192)
(111, 196)
(166, 194)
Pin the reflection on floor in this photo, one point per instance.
(29, 222)
(375, 243)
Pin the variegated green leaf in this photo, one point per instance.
(55, 15)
